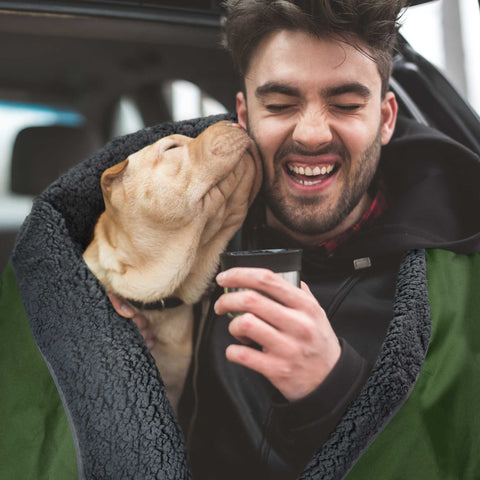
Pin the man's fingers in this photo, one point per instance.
(141, 322)
(266, 282)
(249, 357)
(279, 313)
(262, 307)
(305, 287)
(122, 307)
(249, 327)
(145, 330)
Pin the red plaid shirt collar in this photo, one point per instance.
(378, 206)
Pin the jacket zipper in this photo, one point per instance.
(342, 292)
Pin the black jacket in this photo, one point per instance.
(242, 427)
(114, 398)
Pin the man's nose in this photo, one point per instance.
(312, 130)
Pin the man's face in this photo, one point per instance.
(314, 108)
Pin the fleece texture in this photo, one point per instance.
(391, 380)
(122, 422)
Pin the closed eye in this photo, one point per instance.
(170, 147)
(348, 108)
(277, 108)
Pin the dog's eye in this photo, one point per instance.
(174, 145)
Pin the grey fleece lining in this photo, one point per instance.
(76, 443)
(123, 422)
(391, 380)
(116, 398)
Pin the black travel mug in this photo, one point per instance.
(286, 263)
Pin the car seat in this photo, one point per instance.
(40, 155)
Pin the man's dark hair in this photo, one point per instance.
(374, 22)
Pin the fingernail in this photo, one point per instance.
(220, 277)
(126, 309)
(232, 124)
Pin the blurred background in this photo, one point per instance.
(77, 73)
(447, 32)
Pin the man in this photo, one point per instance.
(317, 104)
(369, 371)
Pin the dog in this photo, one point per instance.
(170, 210)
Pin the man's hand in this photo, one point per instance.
(124, 309)
(299, 346)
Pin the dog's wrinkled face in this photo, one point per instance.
(179, 180)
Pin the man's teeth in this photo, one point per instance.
(309, 172)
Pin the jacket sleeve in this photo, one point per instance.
(300, 428)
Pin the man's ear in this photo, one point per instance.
(111, 176)
(389, 109)
(242, 110)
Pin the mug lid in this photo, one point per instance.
(278, 260)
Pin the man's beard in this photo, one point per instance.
(305, 214)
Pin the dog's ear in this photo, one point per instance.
(112, 175)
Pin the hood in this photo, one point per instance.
(434, 188)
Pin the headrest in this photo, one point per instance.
(41, 154)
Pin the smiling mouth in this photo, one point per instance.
(309, 174)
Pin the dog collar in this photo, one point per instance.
(162, 304)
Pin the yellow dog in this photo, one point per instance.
(170, 210)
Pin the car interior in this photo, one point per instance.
(82, 59)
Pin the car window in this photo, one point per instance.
(183, 99)
(447, 33)
(127, 117)
(189, 101)
(15, 117)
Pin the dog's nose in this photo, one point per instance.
(230, 143)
